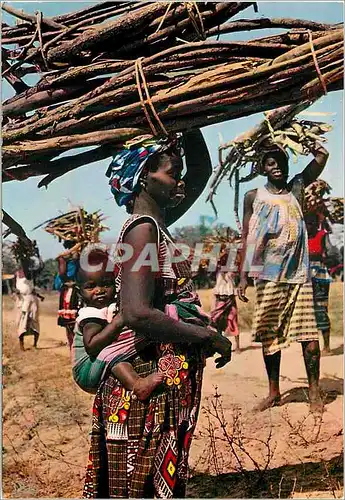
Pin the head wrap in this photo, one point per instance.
(128, 165)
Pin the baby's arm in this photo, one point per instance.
(97, 337)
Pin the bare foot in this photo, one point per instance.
(326, 352)
(238, 350)
(268, 402)
(144, 386)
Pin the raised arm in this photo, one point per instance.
(247, 213)
(316, 166)
(199, 170)
(137, 295)
(62, 267)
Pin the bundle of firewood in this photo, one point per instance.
(226, 240)
(279, 128)
(24, 250)
(317, 202)
(335, 210)
(77, 226)
(161, 75)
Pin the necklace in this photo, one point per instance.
(274, 192)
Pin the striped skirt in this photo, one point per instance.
(284, 313)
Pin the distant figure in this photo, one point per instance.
(319, 247)
(28, 308)
(224, 314)
(68, 263)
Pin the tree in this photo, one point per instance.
(9, 264)
(45, 278)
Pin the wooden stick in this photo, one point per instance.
(28, 17)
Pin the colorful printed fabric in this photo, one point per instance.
(224, 315)
(277, 243)
(71, 273)
(319, 272)
(69, 304)
(128, 164)
(88, 372)
(147, 456)
(321, 296)
(284, 313)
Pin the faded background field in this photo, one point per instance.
(237, 453)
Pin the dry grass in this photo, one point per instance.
(47, 419)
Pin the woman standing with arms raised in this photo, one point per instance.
(141, 449)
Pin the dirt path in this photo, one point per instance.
(47, 419)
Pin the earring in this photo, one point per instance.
(143, 183)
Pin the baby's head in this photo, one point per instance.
(97, 288)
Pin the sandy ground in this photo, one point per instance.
(237, 452)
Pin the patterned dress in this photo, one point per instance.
(140, 449)
(224, 314)
(277, 257)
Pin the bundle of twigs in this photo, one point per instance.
(77, 226)
(279, 128)
(184, 86)
(24, 250)
(316, 201)
(226, 239)
(335, 210)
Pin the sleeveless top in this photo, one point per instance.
(173, 278)
(277, 243)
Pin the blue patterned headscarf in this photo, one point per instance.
(128, 165)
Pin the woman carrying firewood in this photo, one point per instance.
(68, 263)
(275, 253)
(26, 295)
(140, 449)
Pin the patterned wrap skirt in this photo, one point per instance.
(140, 449)
(68, 306)
(284, 313)
(224, 315)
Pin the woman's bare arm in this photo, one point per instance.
(137, 293)
(315, 168)
(199, 170)
(62, 268)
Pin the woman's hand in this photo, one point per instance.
(223, 346)
(241, 290)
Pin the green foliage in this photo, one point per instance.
(45, 278)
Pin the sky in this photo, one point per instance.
(88, 186)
